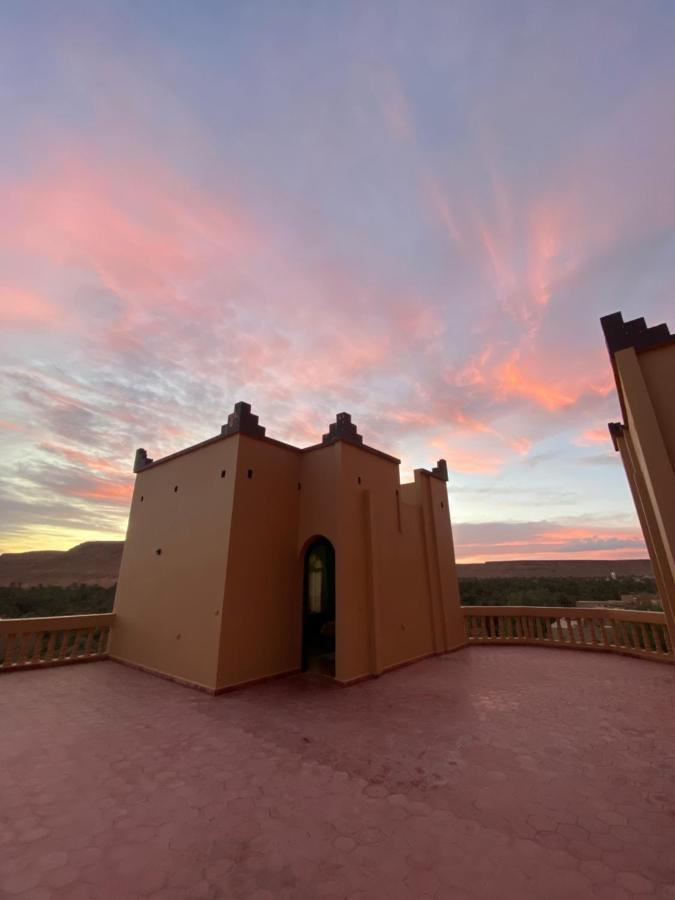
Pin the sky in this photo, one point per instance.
(414, 212)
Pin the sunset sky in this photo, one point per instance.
(416, 212)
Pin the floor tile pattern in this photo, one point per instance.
(494, 772)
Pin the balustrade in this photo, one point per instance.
(50, 640)
(634, 632)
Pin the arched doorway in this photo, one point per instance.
(318, 619)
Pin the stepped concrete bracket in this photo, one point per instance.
(242, 421)
(619, 334)
(342, 429)
(141, 460)
(440, 470)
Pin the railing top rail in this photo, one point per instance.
(568, 612)
(56, 623)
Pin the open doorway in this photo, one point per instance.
(318, 620)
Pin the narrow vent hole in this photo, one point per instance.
(250, 473)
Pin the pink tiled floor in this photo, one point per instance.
(495, 772)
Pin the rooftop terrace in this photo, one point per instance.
(496, 771)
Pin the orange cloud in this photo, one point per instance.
(141, 229)
(86, 460)
(102, 490)
(593, 436)
(512, 380)
(19, 307)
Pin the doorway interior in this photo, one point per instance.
(318, 620)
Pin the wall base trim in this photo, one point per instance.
(195, 685)
(400, 665)
(252, 681)
(176, 679)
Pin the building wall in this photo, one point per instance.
(169, 606)
(262, 613)
(223, 603)
(658, 370)
(645, 383)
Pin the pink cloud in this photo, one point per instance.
(21, 307)
(546, 540)
(593, 436)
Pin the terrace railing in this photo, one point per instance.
(626, 631)
(55, 640)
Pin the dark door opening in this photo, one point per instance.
(318, 620)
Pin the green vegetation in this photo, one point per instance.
(78, 599)
(551, 591)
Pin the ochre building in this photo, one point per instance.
(643, 360)
(247, 558)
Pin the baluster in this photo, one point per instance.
(37, 646)
(75, 646)
(579, 632)
(63, 646)
(51, 643)
(633, 637)
(23, 643)
(646, 643)
(665, 640)
(592, 640)
(103, 640)
(9, 651)
(90, 638)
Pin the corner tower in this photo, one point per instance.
(643, 362)
(248, 558)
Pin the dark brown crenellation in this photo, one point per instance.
(620, 335)
(440, 470)
(615, 432)
(242, 421)
(141, 460)
(343, 429)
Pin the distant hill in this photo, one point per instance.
(94, 562)
(557, 568)
(98, 562)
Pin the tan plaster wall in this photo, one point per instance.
(181, 591)
(230, 577)
(658, 371)
(452, 610)
(647, 405)
(261, 624)
(397, 588)
(407, 613)
(360, 599)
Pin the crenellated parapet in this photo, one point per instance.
(615, 431)
(440, 470)
(141, 460)
(620, 335)
(242, 421)
(343, 429)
